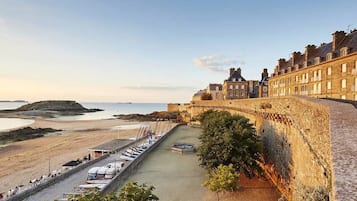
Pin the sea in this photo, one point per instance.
(109, 109)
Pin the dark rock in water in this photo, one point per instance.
(24, 134)
(56, 105)
(149, 117)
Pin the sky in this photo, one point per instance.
(151, 50)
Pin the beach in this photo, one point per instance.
(26, 160)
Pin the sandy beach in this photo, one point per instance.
(22, 161)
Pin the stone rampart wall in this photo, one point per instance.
(296, 135)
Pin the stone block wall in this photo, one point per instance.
(297, 136)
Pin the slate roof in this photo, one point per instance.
(212, 87)
(349, 41)
(236, 75)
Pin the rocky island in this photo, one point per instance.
(51, 108)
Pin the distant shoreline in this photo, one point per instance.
(15, 101)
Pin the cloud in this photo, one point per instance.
(216, 63)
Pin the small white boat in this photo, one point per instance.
(92, 173)
(118, 165)
(91, 186)
(127, 158)
(99, 181)
(101, 172)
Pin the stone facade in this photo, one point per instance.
(329, 70)
(263, 84)
(235, 87)
(173, 107)
(216, 91)
(298, 134)
(197, 96)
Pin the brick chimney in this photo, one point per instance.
(281, 63)
(295, 57)
(337, 38)
(239, 71)
(265, 73)
(231, 71)
(310, 52)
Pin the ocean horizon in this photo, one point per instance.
(109, 110)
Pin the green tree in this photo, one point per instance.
(130, 192)
(229, 139)
(134, 192)
(222, 178)
(94, 195)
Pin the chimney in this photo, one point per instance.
(231, 71)
(310, 52)
(295, 57)
(239, 71)
(265, 73)
(281, 63)
(337, 38)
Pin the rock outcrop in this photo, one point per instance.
(56, 105)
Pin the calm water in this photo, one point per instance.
(11, 105)
(176, 177)
(110, 109)
(11, 123)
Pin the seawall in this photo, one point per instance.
(119, 179)
(309, 143)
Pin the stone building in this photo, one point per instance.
(329, 70)
(235, 87)
(253, 88)
(216, 91)
(263, 84)
(197, 96)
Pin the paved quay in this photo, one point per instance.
(67, 185)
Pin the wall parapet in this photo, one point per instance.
(312, 130)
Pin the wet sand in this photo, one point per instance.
(30, 159)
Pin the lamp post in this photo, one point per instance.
(49, 166)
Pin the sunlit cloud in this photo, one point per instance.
(216, 63)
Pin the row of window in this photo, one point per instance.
(316, 76)
(316, 88)
(236, 86)
(236, 94)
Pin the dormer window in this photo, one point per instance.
(316, 60)
(234, 79)
(239, 79)
(329, 56)
(343, 51)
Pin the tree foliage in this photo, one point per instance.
(229, 139)
(134, 192)
(206, 96)
(130, 192)
(222, 178)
